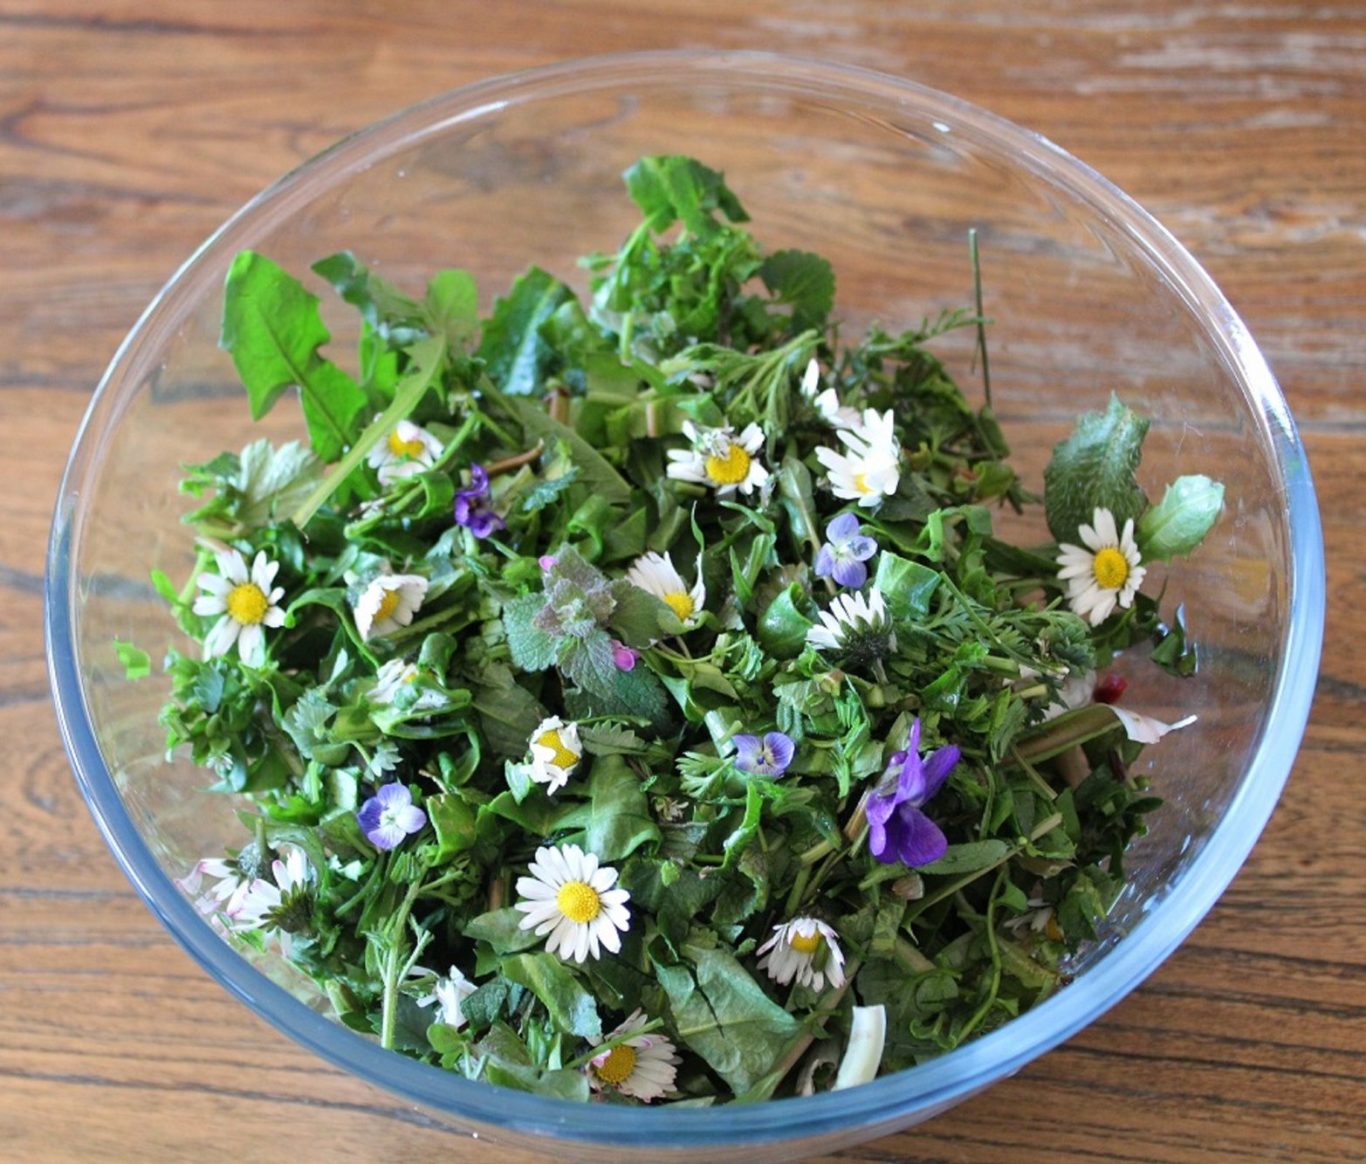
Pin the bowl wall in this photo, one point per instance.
(1086, 296)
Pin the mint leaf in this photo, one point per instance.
(669, 188)
(1094, 468)
(532, 649)
(518, 357)
(1179, 522)
(803, 281)
(272, 330)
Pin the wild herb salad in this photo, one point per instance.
(632, 699)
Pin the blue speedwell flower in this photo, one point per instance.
(846, 550)
(389, 816)
(767, 757)
(897, 829)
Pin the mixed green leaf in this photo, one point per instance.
(463, 556)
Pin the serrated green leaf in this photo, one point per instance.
(518, 357)
(1179, 522)
(532, 649)
(803, 281)
(670, 188)
(272, 330)
(1094, 468)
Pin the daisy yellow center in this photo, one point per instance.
(805, 943)
(730, 469)
(617, 1067)
(861, 483)
(1110, 567)
(578, 901)
(387, 605)
(681, 603)
(401, 448)
(247, 603)
(563, 757)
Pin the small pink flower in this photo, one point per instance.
(548, 561)
(623, 656)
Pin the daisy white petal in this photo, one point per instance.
(579, 919)
(719, 459)
(555, 753)
(806, 949)
(1104, 572)
(246, 602)
(408, 450)
(388, 603)
(656, 574)
(641, 1065)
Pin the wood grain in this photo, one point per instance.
(130, 128)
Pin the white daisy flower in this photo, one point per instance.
(720, 459)
(408, 450)
(1104, 573)
(282, 907)
(246, 601)
(394, 677)
(828, 402)
(656, 574)
(555, 753)
(642, 1065)
(389, 602)
(570, 897)
(834, 413)
(871, 469)
(448, 994)
(854, 623)
(805, 949)
(233, 883)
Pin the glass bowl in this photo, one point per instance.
(1086, 293)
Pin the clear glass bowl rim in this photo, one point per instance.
(885, 1101)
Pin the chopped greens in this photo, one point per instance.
(633, 698)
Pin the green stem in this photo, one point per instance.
(992, 991)
(393, 966)
(981, 319)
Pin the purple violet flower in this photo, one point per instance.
(390, 815)
(472, 508)
(767, 757)
(845, 551)
(897, 829)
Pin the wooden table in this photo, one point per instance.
(130, 128)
